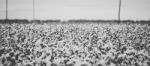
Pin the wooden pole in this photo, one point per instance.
(6, 9)
(119, 11)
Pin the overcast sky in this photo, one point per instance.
(77, 9)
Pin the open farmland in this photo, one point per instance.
(88, 44)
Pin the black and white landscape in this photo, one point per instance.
(74, 33)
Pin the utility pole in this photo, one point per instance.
(119, 11)
(6, 10)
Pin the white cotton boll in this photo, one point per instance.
(58, 60)
(109, 55)
(38, 41)
(101, 62)
(77, 63)
(19, 64)
(85, 64)
(7, 55)
(122, 55)
(141, 51)
(105, 46)
(112, 64)
(145, 63)
(38, 60)
(130, 50)
(47, 60)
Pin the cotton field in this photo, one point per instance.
(74, 44)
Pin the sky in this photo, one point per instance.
(76, 9)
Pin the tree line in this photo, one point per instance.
(25, 21)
